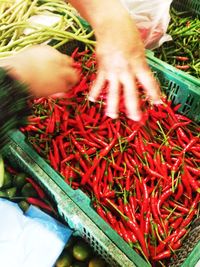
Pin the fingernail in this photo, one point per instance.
(135, 117)
(158, 102)
(90, 98)
(112, 115)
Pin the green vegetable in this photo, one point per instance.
(3, 194)
(23, 205)
(81, 251)
(65, 260)
(15, 21)
(11, 192)
(19, 180)
(97, 262)
(28, 191)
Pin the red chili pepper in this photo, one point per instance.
(125, 233)
(163, 197)
(147, 224)
(39, 203)
(51, 125)
(75, 53)
(179, 191)
(154, 207)
(33, 128)
(66, 173)
(153, 173)
(190, 144)
(186, 184)
(195, 171)
(180, 233)
(56, 152)
(133, 203)
(182, 58)
(182, 67)
(159, 249)
(163, 255)
(178, 206)
(89, 143)
(192, 181)
(68, 158)
(80, 148)
(96, 161)
(62, 148)
(160, 230)
(177, 245)
(182, 134)
(101, 212)
(57, 116)
(176, 223)
(130, 162)
(145, 204)
(98, 140)
(139, 235)
(111, 219)
(127, 187)
(132, 135)
(118, 230)
(37, 188)
(53, 161)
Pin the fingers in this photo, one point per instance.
(97, 87)
(70, 76)
(130, 96)
(145, 76)
(112, 97)
(66, 60)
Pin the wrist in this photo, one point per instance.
(9, 65)
(13, 105)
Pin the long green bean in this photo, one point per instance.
(14, 20)
(184, 49)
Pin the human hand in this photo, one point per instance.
(121, 60)
(45, 70)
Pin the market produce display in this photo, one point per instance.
(17, 187)
(142, 177)
(25, 23)
(183, 52)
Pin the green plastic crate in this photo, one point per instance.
(179, 89)
(74, 206)
(187, 5)
(192, 6)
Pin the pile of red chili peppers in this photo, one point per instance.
(143, 177)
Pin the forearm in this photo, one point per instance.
(104, 15)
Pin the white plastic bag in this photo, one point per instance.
(34, 239)
(152, 19)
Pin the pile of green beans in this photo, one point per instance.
(183, 52)
(14, 17)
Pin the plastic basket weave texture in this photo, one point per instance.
(187, 5)
(180, 90)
